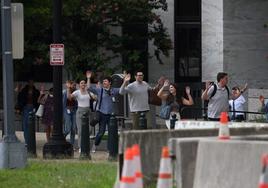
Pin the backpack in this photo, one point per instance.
(205, 116)
(215, 90)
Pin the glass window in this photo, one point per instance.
(188, 10)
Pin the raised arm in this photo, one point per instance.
(161, 94)
(122, 89)
(88, 75)
(205, 93)
(244, 88)
(190, 100)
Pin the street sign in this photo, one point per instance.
(17, 27)
(56, 54)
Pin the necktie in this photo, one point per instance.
(233, 109)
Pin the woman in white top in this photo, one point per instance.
(83, 100)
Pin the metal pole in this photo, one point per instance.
(57, 146)
(8, 83)
(9, 139)
(113, 138)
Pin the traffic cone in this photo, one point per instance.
(264, 176)
(165, 171)
(224, 132)
(128, 172)
(137, 165)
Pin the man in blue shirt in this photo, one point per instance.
(105, 105)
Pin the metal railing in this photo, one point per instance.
(193, 112)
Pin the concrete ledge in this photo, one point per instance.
(232, 163)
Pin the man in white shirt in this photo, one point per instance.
(237, 104)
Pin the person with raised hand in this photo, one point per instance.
(137, 97)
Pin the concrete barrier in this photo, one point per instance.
(229, 164)
(208, 162)
(151, 142)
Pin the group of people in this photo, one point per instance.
(77, 102)
(220, 99)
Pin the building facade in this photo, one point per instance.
(215, 35)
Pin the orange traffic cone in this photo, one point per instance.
(264, 176)
(128, 172)
(224, 132)
(165, 171)
(137, 165)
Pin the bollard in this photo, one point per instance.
(31, 145)
(85, 142)
(113, 138)
(143, 121)
(173, 121)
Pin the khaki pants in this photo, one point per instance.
(135, 119)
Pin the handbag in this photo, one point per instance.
(95, 118)
(95, 115)
(40, 111)
(165, 111)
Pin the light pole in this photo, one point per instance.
(57, 146)
(12, 152)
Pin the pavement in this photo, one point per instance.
(98, 156)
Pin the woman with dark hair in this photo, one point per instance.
(27, 103)
(171, 97)
(47, 118)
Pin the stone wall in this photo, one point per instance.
(245, 42)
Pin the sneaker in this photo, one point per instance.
(93, 149)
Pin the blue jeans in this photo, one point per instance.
(25, 119)
(70, 125)
(104, 120)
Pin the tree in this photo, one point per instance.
(88, 33)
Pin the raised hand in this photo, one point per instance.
(208, 84)
(166, 83)
(88, 74)
(127, 78)
(42, 89)
(188, 90)
(261, 98)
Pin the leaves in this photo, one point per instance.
(97, 33)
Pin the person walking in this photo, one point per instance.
(27, 103)
(218, 96)
(137, 98)
(69, 111)
(105, 105)
(83, 99)
(173, 99)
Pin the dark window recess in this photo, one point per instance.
(189, 10)
(188, 57)
(188, 40)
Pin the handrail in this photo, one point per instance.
(203, 110)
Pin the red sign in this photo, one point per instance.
(56, 54)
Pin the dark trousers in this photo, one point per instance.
(104, 120)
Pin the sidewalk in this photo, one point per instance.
(41, 140)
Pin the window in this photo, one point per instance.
(188, 41)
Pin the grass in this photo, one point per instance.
(60, 174)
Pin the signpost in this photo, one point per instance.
(56, 54)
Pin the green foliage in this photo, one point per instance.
(88, 33)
